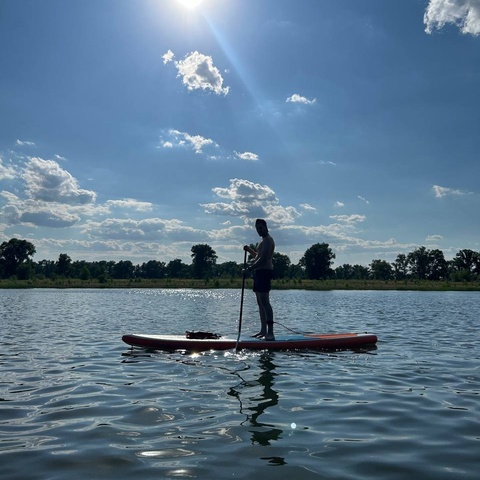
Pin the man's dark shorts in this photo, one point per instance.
(262, 280)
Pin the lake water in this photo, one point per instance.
(76, 403)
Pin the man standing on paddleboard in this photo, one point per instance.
(262, 267)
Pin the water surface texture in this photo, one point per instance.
(76, 403)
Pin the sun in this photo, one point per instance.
(190, 3)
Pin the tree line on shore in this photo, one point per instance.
(316, 264)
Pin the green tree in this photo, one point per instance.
(437, 267)
(176, 269)
(25, 270)
(123, 269)
(345, 272)
(153, 269)
(45, 268)
(14, 253)
(228, 269)
(360, 272)
(418, 262)
(281, 265)
(102, 270)
(467, 264)
(381, 270)
(63, 265)
(203, 260)
(400, 267)
(84, 273)
(317, 261)
(295, 271)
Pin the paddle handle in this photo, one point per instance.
(241, 300)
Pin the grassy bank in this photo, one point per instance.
(283, 284)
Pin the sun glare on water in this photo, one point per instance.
(190, 3)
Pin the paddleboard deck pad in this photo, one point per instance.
(281, 342)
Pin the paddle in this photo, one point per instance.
(241, 300)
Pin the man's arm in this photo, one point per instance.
(264, 254)
(251, 251)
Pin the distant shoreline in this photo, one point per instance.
(236, 283)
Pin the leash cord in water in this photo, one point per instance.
(287, 328)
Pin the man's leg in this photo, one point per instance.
(263, 316)
(266, 314)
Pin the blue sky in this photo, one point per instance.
(133, 130)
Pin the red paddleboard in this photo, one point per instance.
(281, 342)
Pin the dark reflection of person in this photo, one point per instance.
(263, 433)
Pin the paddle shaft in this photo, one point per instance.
(241, 299)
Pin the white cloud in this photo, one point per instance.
(49, 217)
(308, 207)
(280, 215)
(7, 173)
(198, 72)
(445, 191)
(363, 199)
(150, 229)
(351, 219)
(433, 238)
(182, 139)
(198, 142)
(246, 191)
(177, 139)
(10, 213)
(24, 143)
(296, 98)
(249, 200)
(324, 162)
(465, 14)
(47, 181)
(339, 205)
(41, 214)
(48, 196)
(168, 57)
(130, 203)
(247, 156)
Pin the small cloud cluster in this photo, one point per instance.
(307, 207)
(198, 72)
(52, 195)
(24, 143)
(441, 192)
(296, 98)
(247, 200)
(327, 162)
(182, 139)
(177, 139)
(465, 14)
(131, 204)
(349, 219)
(168, 57)
(47, 181)
(148, 230)
(7, 172)
(247, 156)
